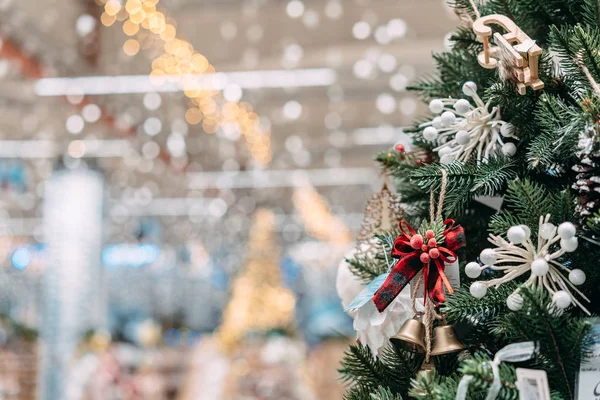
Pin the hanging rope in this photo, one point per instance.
(475, 10)
(430, 314)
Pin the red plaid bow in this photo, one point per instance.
(415, 253)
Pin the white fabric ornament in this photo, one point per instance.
(375, 329)
(539, 260)
(463, 131)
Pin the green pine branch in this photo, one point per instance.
(462, 307)
(393, 370)
(465, 181)
(562, 337)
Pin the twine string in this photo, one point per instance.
(430, 314)
(475, 9)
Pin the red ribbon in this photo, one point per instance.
(411, 261)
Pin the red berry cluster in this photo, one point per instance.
(429, 250)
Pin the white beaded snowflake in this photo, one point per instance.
(461, 130)
(519, 256)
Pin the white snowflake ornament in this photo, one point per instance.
(520, 256)
(461, 130)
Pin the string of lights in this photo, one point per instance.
(178, 63)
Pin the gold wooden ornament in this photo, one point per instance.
(516, 54)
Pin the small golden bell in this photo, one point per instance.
(411, 336)
(445, 341)
(426, 369)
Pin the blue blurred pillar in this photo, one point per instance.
(73, 289)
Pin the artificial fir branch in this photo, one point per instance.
(465, 180)
(461, 306)
(562, 337)
(591, 12)
(478, 366)
(560, 126)
(393, 370)
(385, 394)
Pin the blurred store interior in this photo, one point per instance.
(179, 182)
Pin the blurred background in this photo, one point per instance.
(179, 181)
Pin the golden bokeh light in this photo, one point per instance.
(107, 20)
(177, 64)
(133, 6)
(168, 33)
(193, 116)
(131, 47)
(130, 28)
(112, 7)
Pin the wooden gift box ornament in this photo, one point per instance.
(516, 54)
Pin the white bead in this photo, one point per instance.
(527, 231)
(437, 123)
(516, 234)
(473, 270)
(569, 245)
(436, 106)
(566, 230)
(547, 230)
(469, 88)
(430, 133)
(463, 137)
(577, 277)
(509, 149)
(462, 106)
(514, 301)
(506, 130)
(447, 159)
(561, 299)
(478, 290)
(444, 150)
(448, 118)
(488, 256)
(539, 267)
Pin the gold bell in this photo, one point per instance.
(411, 336)
(445, 341)
(426, 369)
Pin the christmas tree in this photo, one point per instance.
(503, 180)
(259, 302)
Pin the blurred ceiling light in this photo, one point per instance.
(361, 30)
(51, 149)
(396, 28)
(292, 110)
(125, 84)
(295, 9)
(85, 24)
(91, 112)
(172, 207)
(75, 124)
(282, 178)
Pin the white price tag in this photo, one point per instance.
(588, 387)
(494, 202)
(453, 274)
(533, 384)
